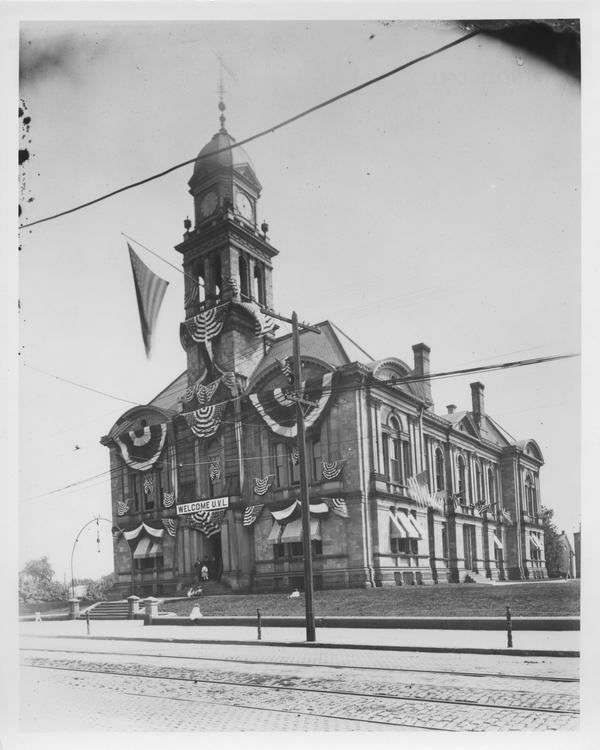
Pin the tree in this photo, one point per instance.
(37, 584)
(551, 546)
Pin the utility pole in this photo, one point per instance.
(304, 485)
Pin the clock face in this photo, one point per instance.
(208, 204)
(244, 205)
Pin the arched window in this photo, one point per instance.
(395, 451)
(200, 282)
(439, 470)
(492, 487)
(217, 277)
(243, 267)
(259, 284)
(462, 489)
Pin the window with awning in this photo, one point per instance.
(292, 531)
(535, 543)
(399, 527)
(147, 547)
(497, 543)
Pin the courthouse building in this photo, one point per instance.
(400, 494)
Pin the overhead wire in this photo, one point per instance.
(262, 133)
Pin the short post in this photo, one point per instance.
(151, 609)
(87, 620)
(132, 607)
(259, 624)
(508, 628)
(73, 609)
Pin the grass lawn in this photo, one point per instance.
(554, 598)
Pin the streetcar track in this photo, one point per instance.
(412, 699)
(311, 665)
(295, 711)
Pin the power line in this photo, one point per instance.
(81, 385)
(272, 129)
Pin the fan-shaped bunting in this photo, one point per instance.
(206, 325)
(205, 422)
(251, 513)
(332, 469)
(142, 457)
(168, 499)
(261, 486)
(281, 419)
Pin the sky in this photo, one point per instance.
(441, 205)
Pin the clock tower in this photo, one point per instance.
(227, 262)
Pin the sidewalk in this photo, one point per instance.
(459, 641)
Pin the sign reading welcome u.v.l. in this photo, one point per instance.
(212, 503)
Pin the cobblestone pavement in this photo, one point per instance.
(141, 686)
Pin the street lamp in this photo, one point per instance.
(81, 530)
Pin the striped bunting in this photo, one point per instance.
(139, 440)
(169, 525)
(205, 422)
(280, 418)
(339, 507)
(251, 513)
(418, 490)
(261, 486)
(294, 511)
(191, 295)
(122, 508)
(332, 469)
(232, 286)
(148, 484)
(203, 521)
(286, 368)
(168, 499)
(206, 325)
(149, 290)
(214, 470)
(142, 457)
(120, 429)
(202, 393)
(263, 323)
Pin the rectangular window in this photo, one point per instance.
(406, 461)
(148, 563)
(294, 467)
(279, 550)
(316, 460)
(385, 447)
(395, 460)
(280, 463)
(444, 541)
(405, 546)
(296, 549)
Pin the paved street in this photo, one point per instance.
(130, 685)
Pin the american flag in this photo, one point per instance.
(149, 290)
(418, 489)
(295, 455)
(148, 484)
(507, 515)
(339, 507)
(214, 470)
(122, 508)
(169, 525)
(204, 393)
(168, 499)
(251, 513)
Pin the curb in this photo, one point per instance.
(304, 644)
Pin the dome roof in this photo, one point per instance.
(210, 161)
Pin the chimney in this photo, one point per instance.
(478, 402)
(421, 368)
(451, 408)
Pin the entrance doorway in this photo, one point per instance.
(215, 558)
(469, 547)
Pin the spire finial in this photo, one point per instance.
(221, 92)
(221, 89)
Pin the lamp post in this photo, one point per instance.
(81, 530)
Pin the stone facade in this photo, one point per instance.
(420, 497)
